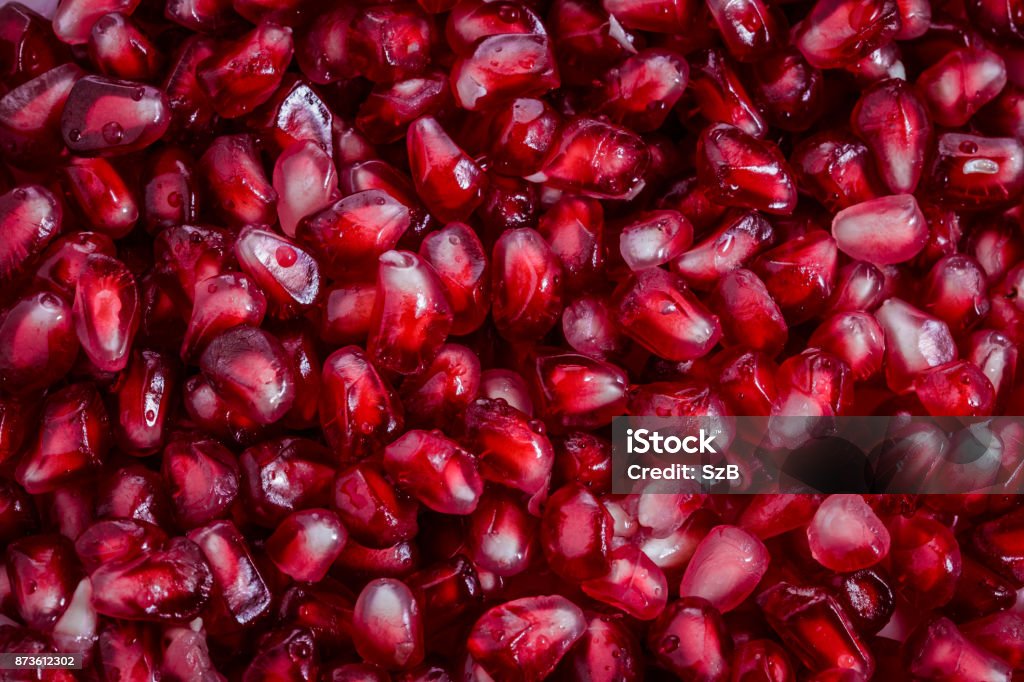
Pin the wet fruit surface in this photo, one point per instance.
(315, 319)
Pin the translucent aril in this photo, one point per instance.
(104, 116)
(845, 534)
(741, 170)
(893, 122)
(882, 231)
(914, 342)
(725, 568)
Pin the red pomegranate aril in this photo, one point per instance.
(893, 122)
(237, 579)
(284, 654)
(741, 170)
(958, 85)
(17, 515)
(996, 356)
(527, 285)
(117, 539)
(389, 43)
(44, 572)
(748, 315)
(800, 274)
(689, 639)
(373, 511)
(956, 292)
(306, 544)
(513, 450)
(134, 492)
(458, 258)
(589, 328)
(790, 90)
(222, 303)
(746, 381)
(926, 562)
(323, 49)
(525, 639)
(607, 652)
(435, 470)
(30, 116)
(170, 584)
(866, 596)
(835, 34)
(127, 648)
(72, 441)
(971, 172)
(859, 287)
(763, 659)
(726, 568)
(359, 411)
(185, 255)
(980, 592)
(282, 475)
(237, 182)
(28, 46)
(501, 533)
(350, 234)
(63, 262)
(170, 195)
(836, 169)
(640, 92)
(575, 534)
(507, 386)
(286, 273)
(448, 181)
(654, 239)
(937, 650)
(845, 534)
(633, 584)
(470, 22)
(750, 29)
(579, 392)
(249, 368)
(144, 394)
(660, 313)
(305, 181)
(295, 113)
(245, 73)
(731, 246)
(595, 159)
(347, 311)
(106, 312)
(387, 625)
(386, 113)
(73, 19)
(120, 50)
(38, 345)
(504, 67)
(522, 131)
(720, 93)
(856, 338)
(997, 544)
(30, 217)
(102, 196)
(1001, 635)
(574, 229)
(914, 343)
(816, 629)
(881, 231)
(191, 109)
(202, 478)
(300, 345)
(106, 117)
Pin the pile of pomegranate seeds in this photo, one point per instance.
(315, 318)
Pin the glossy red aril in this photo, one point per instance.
(914, 342)
(236, 181)
(741, 170)
(660, 313)
(881, 231)
(305, 181)
(29, 47)
(504, 67)
(575, 534)
(526, 284)
(144, 396)
(973, 172)
(596, 159)
(373, 510)
(38, 345)
(472, 21)
(390, 42)
(926, 561)
(185, 255)
(411, 315)
(996, 356)
(579, 392)
(726, 568)
(836, 169)
(249, 368)
(435, 470)
(607, 651)
(306, 544)
(838, 33)
(938, 650)
(721, 95)
(894, 124)
(689, 638)
(959, 84)
(633, 584)
(102, 196)
(746, 381)
(763, 659)
(997, 543)
(501, 534)
(509, 386)
(73, 19)
(956, 292)
(30, 217)
(448, 181)
(1001, 634)
(285, 272)
(244, 74)
(733, 244)
(347, 309)
(30, 116)
(655, 238)
(295, 113)
(282, 475)
(238, 582)
(351, 233)
(748, 315)
(439, 396)
(589, 328)
(513, 450)
(640, 92)
(845, 534)
(106, 312)
(387, 625)
(359, 411)
(522, 131)
(525, 639)
(106, 117)
(816, 629)
(460, 262)
(170, 584)
(202, 479)
(856, 338)
(790, 90)
(120, 50)
(43, 572)
(800, 274)
(116, 539)
(390, 107)
(221, 303)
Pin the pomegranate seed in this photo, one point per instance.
(959, 84)
(244, 73)
(508, 386)
(295, 113)
(997, 545)
(589, 328)
(746, 381)
(244, 592)
(280, 476)
(743, 171)
(799, 274)
(937, 649)
(523, 131)
(102, 196)
(999, 634)
(690, 640)
(104, 116)
(527, 285)
(837, 33)
(29, 45)
(720, 94)
(654, 239)
(435, 470)
(500, 534)
(749, 316)
(859, 230)
(30, 115)
(513, 449)
(387, 626)
(729, 247)
(447, 180)
(956, 292)
(120, 50)
(284, 654)
(845, 535)
(237, 182)
(171, 190)
(390, 43)
(641, 91)
(607, 651)
(856, 338)
(306, 544)
(44, 573)
(249, 367)
(202, 478)
(144, 395)
(472, 21)
(287, 274)
(373, 510)
(305, 181)
(926, 560)
(894, 124)
(222, 303)
(596, 159)
(503, 67)
(459, 260)
(38, 345)
(526, 638)
(835, 169)
(914, 342)
(970, 171)
(790, 90)
(726, 567)
(440, 395)
(633, 583)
